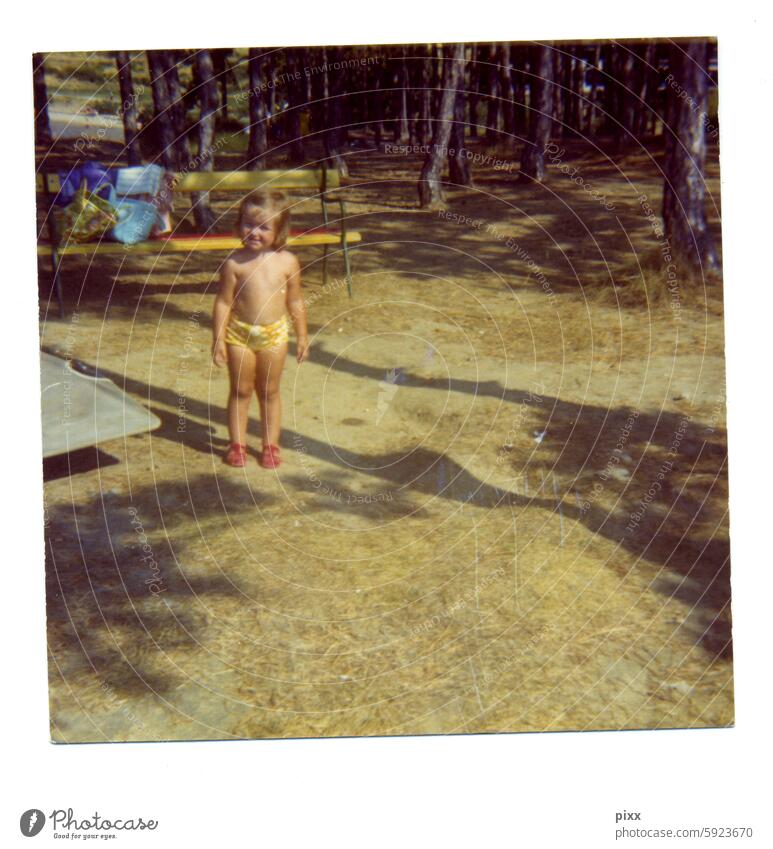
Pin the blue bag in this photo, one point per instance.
(135, 219)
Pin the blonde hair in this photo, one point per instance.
(274, 202)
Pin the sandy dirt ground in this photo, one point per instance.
(503, 503)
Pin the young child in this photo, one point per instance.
(259, 284)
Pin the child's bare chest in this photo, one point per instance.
(260, 280)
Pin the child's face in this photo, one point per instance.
(257, 228)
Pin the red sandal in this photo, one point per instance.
(270, 458)
(236, 456)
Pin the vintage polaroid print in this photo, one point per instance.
(383, 389)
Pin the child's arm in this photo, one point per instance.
(222, 312)
(297, 309)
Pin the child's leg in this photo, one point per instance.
(241, 370)
(268, 373)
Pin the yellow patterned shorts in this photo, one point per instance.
(257, 337)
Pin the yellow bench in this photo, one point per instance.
(320, 182)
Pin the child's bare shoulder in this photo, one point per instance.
(229, 272)
(289, 261)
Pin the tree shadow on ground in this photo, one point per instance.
(111, 286)
(187, 431)
(652, 482)
(679, 541)
(118, 287)
(117, 597)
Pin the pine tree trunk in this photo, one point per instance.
(361, 103)
(414, 95)
(179, 121)
(685, 157)
(335, 137)
(473, 91)
(220, 64)
(611, 109)
(346, 104)
(430, 188)
(202, 211)
(541, 112)
(494, 93)
(458, 164)
(520, 64)
(296, 100)
(645, 81)
(314, 88)
(269, 68)
(128, 108)
(578, 102)
(376, 118)
(568, 94)
(506, 85)
(375, 112)
(627, 87)
(425, 107)
(401, 101)
(258, 143)
(593, 95)
(162, 120)
(42, 126)
(558, 99)
(438, 66)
